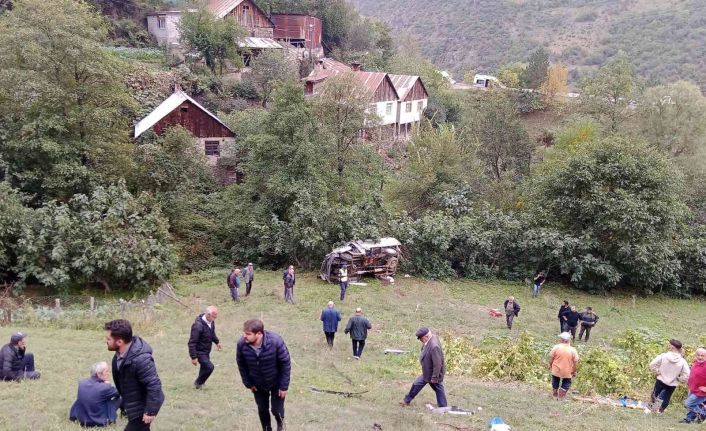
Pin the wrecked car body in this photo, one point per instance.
(378, 258)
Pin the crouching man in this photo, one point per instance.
(15, 362)
(97, 402)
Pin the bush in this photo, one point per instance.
(600, 372)
(513, 360)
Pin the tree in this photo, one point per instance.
(216, 39)
(504, 146)
(556, 83)
(609, 95)
(537, 68)
(66, 112)
(342, 111)
(509, 74)
(440, 163)
(616, 205)
(268, 70)
(13, 218)
(469, 76)
(673, 117)
(110, 238)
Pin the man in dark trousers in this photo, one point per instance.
(512, 310)
(234, 284)
(330, 316)
(264, 365)
(15, 362)
(203, 335)
(539, 279)
(358, 326)
(562, 311)
(290, 279)
(248, 276)
(588, 320)
(97, 401)
(572, 321)
(343, 280)
(433, 368)
(135, 375)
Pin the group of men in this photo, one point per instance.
(234, 281)
(570, 319)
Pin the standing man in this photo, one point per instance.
(343, 280)
(358, 326)
(330, 316)
(562, 312)
(264, 365)
(433, 368)
(539, 279)
(248, 276)
(97, 401)
(135, 375)
(588, 320)
(289, 281)
(234, 284)
(697, 387)
(572, 321)
(563, 360)
(670, 368)
(512, 310)
(15, 362)
(203, 335)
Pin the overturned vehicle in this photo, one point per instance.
(378, 258)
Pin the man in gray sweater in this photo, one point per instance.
(433, 368)
(358, 326)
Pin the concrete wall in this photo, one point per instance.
(411, 117)
(201, 147)
(167, 35)
(381, 111)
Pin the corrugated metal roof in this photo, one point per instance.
(171, 103)
(220, 8)
(258, 43)
(327, 67)
(403, 83)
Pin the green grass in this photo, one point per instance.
(65, 355)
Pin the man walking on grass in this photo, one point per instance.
(670, 368)
(697, 388)
(563, 360)
(588, 320)
(433, 368)
(135, 375)
(358, 326)
(330, 316)
(15, 362)
(512, 310)
(248, 276)
(539, 279)
(264, 365)
(203, 335)
(290, 280)
(234, 283)
(343, 280)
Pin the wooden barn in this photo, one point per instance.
(210, 133)
(413, 100)
(301, 31)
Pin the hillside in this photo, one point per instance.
(664, 38)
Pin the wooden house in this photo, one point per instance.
(210, 133)
(302, 33)
(413, 100)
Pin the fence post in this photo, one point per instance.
(93, 307)
(57, 306)
(123, 308)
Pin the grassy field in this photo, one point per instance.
(64, 356)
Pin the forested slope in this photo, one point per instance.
(664, 38)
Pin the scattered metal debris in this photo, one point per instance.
(343, 394)
(395, 352)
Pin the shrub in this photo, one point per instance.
(512, 360)
(600, 372)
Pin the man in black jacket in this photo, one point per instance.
(512, 310)
(203, 335)
(572, 321)
(15, 362)
(433, 368)
(358, 326)
(588, 321)
(264, 365)
(562, 311)
(134, 374)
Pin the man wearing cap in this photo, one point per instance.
(15, 362)
(670, 368)
(358, 326)
(433, 368)
(563, 360)
(248, 276)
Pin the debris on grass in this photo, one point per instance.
(341, 393)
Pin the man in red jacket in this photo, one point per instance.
(697, 387)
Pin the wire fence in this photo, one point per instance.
(76, 308)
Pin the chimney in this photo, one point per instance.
(356, 67)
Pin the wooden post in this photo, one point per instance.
(123, 308)
(93, 307)
(57, 306)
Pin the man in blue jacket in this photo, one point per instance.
(97, 402)
(264, 365)
(330, 316)
(135, 375)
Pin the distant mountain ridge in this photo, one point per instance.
(665, 39)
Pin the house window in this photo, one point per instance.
(388, 108)
(184, 108)
(420, 106)
(408, 107)
(373, 108)
(162, 22)
(213, 148)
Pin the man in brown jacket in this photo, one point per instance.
(563, 360)
(433, 368)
